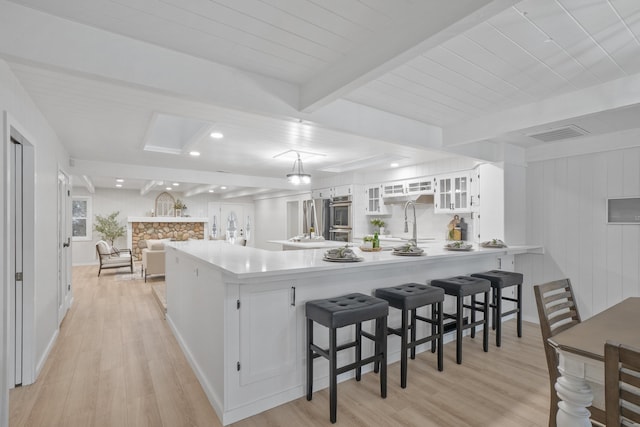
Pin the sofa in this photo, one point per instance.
(153, 258)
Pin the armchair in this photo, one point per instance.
(113, 258)
(153, 258)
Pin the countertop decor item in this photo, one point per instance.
(493, 243)
(458, 246)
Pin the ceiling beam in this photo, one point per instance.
(430, 25)
(148, 186)
(619, 93)
(88, 184)
(99, 168)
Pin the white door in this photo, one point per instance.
(16, 261)
(64, 245)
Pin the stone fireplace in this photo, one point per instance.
(140, 229)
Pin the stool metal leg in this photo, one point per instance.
(519, 310)
(358, 350)
(459, 325)
(333, 376)
(498, 315)
(494, 318)
(383, 352)
(485, 328)
(376, 348)
(473, 315)
(403, 349)
(434, 317)
(440, 335)
(309, 359)
(413, 332)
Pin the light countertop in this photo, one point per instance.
(247, 262)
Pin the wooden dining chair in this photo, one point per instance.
(621, 384)
(557, 311)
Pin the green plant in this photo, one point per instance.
(109, 227)
(179, 204)
(377, 222)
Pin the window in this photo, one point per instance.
(81, 223)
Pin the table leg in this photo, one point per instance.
(574, 393)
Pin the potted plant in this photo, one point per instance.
(178, 207)
(109, 227)
(377, 222)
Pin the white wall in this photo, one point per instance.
(566, 213)
(49, 155)
(271, 219)
(129, 203)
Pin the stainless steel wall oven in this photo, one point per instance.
(340, 219)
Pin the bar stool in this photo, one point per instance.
(334, 313)
(408, 298)
(499, 280)
(461, 287)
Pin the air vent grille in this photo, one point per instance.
(558, 134)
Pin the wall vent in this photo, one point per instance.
(557, 134)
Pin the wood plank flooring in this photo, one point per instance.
(116, 363)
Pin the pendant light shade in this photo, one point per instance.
(297, 175)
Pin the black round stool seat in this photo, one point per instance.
(499, 280)
(410, 295)
(338, 312)
(408, 298)
(462, 285)
(346, 310)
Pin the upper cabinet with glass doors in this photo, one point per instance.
(452, 193)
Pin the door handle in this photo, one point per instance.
(67, 243)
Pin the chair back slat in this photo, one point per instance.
(622, 384)
(557, 311)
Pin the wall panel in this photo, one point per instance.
(566, 213)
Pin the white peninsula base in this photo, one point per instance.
(238, 312)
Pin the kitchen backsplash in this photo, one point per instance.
(429, 224)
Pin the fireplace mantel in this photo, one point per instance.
(163, 227)
(166, 219)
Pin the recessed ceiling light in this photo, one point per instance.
(211, 191)
(216, 135)
(175, 184)
(119, 180)
(118, 185)
(194, 153)
(394, 165)
(223, 188)
(169, 188)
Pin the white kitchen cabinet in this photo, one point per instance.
(393, 189)
(452, 193)
(373, 201)
(264, 355)
(321, 193)
(488, 204)
(342, 190)
(418, 186)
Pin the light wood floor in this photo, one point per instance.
(116, 363)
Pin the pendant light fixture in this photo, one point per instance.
(297, 175)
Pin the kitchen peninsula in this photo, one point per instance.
(238, 312)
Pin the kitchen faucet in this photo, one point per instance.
(406, 225)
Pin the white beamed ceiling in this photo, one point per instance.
(346, 79)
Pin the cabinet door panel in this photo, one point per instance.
(267, 334)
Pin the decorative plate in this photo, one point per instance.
(342, 259)
(399, 253)
(465, 248)
(490, 244)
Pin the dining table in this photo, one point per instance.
(581, 359)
